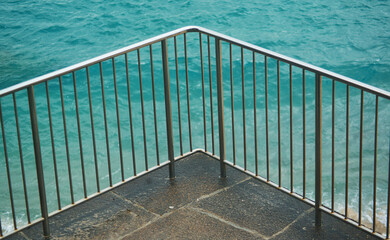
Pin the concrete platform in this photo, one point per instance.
(196, 205)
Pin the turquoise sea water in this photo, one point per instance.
(36, 37)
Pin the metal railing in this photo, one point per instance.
(269, 100)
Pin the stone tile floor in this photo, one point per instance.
(196, 205)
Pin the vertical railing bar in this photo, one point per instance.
(142, 109)
(375, 165)
(38, 160)
(333, 127)
(118, 120)
(388, 199)
(203, 92)
(211, 95)
(7, 168)
(105, 124)
(188, 92)
(291, 134)
(266, 112)
(154, 105)
(66, 141)
(255, 112)
(79, 133)
(318, 150)
(130, 115)
(346, 153)
(232, 101)
(221, 121)
(279, 149)
(21, 160)
(1, 229)
(93, 132)
(178, 96)
(243, 106)
(168, 109)
(304, 131)
(52, 146)
(361, 157)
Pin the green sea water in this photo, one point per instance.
(350, 38)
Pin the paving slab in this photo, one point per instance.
(92, 220)
(188, 224)
(197, 175)
(331, 228)
(256, 206)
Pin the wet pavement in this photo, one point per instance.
(195, 205)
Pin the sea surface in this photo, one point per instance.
(351, 38)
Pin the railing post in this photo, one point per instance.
(168, 110)
(221, 122)
(38, 161)
(318, 150)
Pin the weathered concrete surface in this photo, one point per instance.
(196, 205)
(256, 206)
(196, 175)
(186, 223)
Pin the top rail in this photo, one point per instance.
(298, 63)
(249, 46)
(95, 60)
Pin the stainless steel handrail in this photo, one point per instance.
(297, 63)
(249, 46)
(95, 60)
